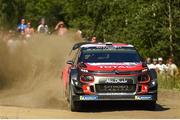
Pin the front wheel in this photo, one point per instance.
(73, 105)
(150, 105)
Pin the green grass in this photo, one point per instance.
(167, 82)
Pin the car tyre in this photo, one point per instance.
(150, 105)
(74, 106)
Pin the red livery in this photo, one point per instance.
(108, 72)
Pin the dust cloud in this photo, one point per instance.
(30, 71)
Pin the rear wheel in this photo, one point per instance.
(73, 105)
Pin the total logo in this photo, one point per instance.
(106, 67)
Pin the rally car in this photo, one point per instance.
(108, 72)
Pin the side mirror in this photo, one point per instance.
(70, 62)
(144, 64)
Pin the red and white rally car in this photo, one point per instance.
(108, 72)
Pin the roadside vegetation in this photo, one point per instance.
(152, 26)
(167, 82)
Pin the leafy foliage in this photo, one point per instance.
(143, 23)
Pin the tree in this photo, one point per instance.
(152, 26)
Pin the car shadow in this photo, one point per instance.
(107, 106)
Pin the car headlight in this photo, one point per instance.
(84, 70)
(87, 78)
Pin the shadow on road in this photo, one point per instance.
(161, 107)
(119, 106)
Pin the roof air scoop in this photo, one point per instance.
(108, 43)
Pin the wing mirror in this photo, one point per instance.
(70, 62)
(144, 63)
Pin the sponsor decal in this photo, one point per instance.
(115, 88)
(143, 97)
(116, 80)
(115, 64)
(104, 46)
(92, 45)
(113, 94)
(106, 67)
(88, 97)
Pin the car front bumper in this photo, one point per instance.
(114, 97)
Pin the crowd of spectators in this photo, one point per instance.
(168, 68)
(27, 30)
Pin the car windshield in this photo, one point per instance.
(107, 56)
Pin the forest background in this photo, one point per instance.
(152, 26)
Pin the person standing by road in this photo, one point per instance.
(148, 61)
(22, 26)
(161, 68)
(172, 69)
(78, 35)
(93, 39)
(172, 73)
(61, 29)
(29, 30)
(153, 65)
(43, 27)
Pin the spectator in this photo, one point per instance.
(61, 28)
(22, 26)
(78, 35)
(29, 30)
(93, 39)
(12, 42)
(153, 65)
(148, 60)
(172, 69)
(42, 28)
(162, 68)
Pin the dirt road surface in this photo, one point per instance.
(30, 86)
(168, 107)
